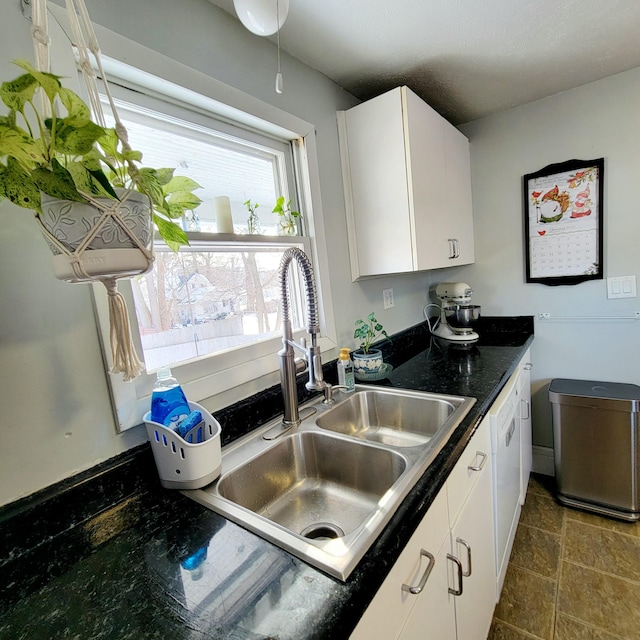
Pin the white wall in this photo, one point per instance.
(601, 119)
(56, 414)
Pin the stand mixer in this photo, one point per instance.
(457, 316)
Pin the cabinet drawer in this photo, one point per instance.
(390, 607)
(475, 460)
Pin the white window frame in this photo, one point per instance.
(226, 377)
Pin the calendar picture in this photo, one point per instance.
(563, 222)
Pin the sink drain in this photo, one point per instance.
(322, 531)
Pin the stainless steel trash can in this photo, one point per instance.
(596, 446)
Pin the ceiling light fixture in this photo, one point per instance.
(264, 18)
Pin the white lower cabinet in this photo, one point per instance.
(472, 543)
(526, 444)
(394, 602)
(442, 586)
(433, 615)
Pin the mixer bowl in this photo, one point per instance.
(462, 316)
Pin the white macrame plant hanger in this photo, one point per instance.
(123, 351)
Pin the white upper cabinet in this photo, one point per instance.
(407, 181)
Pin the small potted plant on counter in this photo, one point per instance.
(367, 361)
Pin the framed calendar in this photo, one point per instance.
(563, 222)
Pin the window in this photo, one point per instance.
(211, 297)
(224, 159)
(211, 311)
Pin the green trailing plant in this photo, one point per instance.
(253, 222)
(368, 331)
(288, 217)
(63, 153)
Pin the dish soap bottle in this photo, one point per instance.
(169, 405)
(345, 370)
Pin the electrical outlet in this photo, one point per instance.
(545, 315)
(621, 287)
(387, 298)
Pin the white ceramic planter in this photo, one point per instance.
(111, 252)
(102, 263)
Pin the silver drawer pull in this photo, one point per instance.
(456, 592)
(467, 546)
(425, 576)
(478, 467)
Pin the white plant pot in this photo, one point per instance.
(102, 263)
(111, 252)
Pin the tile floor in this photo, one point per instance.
(572, 575)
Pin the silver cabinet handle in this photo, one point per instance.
(512, 428)
(456, 592)
(528, 412)
(527, 366)
(452, 248)
(467, 546)
(478, 467)
(456, 246)
(425, 576)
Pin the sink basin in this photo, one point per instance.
(398, 419)
(325, 491)
(317, 486)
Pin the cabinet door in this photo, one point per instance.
(458, 185)
(372, 148)
(472, 542)
(526, 444)
(392, 604)
(425, 144)
(475, 459)
(407, 180)
(440, 187)
(432, 617)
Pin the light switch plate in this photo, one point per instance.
(621, 287)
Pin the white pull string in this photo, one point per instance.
(279, 86)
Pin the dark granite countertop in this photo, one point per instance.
(109, 554)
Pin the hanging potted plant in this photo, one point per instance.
(288, 218)
(68, 170)
(367, 360)
(95, 206)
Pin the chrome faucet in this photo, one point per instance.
(290, 366)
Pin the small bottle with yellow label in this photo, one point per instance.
(345, 370)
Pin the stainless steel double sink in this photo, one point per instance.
(325, 491)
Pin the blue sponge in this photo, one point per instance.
(192, 421)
